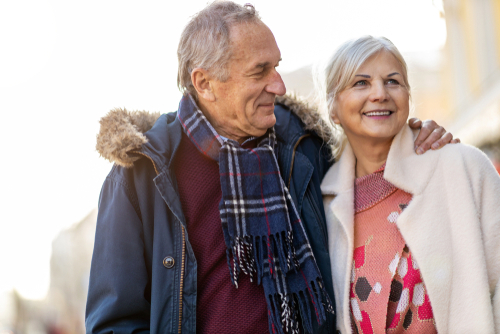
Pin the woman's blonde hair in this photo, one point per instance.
(341, 68)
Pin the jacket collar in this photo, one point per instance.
(125, 135)
(163, 139)
(404, 168)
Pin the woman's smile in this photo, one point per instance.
(378, 114)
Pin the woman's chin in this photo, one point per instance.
(380, 133)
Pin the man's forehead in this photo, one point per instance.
(254, 43)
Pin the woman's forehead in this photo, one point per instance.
(380, 63)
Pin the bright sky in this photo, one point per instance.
(64, 64)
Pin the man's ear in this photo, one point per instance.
(201, 80)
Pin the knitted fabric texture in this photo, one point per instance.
(387, 291)
(220, 308)
(264, 235)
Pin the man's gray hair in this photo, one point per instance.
(205, 41)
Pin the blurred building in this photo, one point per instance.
(63, 309)
(472, 72)
(459, 86)
(69, 277)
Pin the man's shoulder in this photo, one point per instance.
(128, 136)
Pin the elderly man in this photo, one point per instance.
(212, 221)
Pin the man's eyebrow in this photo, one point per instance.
(363, 75)
(390, 75)
(262, 65)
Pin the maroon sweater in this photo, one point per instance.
(221, 308)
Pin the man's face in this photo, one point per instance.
(244, 104)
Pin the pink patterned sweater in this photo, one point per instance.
(387, 293)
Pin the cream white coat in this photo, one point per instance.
(452, 227)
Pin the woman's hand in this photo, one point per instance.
(431, 135)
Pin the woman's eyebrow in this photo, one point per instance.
(363, 75)
(390, 75)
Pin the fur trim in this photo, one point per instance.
(309, 115)
(121, 132)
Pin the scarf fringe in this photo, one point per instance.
(284, 317)
(250, 255)
(247, 256)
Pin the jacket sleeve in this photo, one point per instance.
(117, 300)
(487, 195)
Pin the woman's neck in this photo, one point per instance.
(370, 156)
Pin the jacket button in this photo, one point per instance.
(168, 262)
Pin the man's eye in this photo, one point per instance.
(260, 72)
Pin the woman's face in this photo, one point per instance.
(375, 104)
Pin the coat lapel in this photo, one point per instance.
(404, 168)
(339, 181)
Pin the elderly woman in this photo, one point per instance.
(414, 239)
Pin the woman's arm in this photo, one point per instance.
(486, 184)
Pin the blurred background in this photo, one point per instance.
(64, 64)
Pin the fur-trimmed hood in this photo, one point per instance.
(122, 131)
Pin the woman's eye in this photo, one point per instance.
(392, 82)
(360, 83)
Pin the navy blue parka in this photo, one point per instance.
(143, 272)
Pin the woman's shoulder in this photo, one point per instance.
(471, 156)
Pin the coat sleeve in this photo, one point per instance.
(487, 195)
(117, 300)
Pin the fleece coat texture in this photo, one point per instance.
(452, 227)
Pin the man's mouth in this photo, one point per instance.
(267, 105)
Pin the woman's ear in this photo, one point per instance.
(201, 80)
(333, 114)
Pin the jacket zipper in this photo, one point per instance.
(182, 278)
(183, 250)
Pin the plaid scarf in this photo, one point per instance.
(263, 232)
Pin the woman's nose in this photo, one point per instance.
(378, 92)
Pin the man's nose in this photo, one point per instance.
(378, 92)
(276, 84)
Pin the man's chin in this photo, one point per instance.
(270, 122)
(262, 130)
